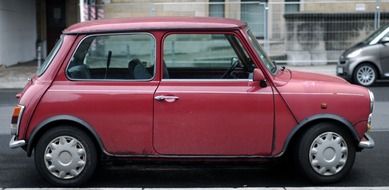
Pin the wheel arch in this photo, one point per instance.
(309, 122)
(63, 120)
(372, 63)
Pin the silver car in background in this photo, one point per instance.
(366, 61)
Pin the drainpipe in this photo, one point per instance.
(266, 25)
(378, 13)
(39, 54)
(82, 14)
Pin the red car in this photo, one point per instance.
(183, 89)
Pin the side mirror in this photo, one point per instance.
(384, 40)
(258, 76)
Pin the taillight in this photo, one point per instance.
(15, 120)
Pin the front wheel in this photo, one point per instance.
(325, 153)
(365, 74)
(65, 156)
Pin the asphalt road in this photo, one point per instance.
(371, 167)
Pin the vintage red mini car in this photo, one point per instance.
(183, 88)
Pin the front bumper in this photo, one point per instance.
(14, 143)
(345, 68)
(366, 142)
(344, 72)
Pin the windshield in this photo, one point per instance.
(373, 35)
(48, 59)
(262, 55)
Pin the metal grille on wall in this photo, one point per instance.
(91, 11)
(295, 32)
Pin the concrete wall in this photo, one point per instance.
(334, 6)
(319, 38)
(17, 31)
(142, 8)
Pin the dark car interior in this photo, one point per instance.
(240, 67)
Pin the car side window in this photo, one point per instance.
(114, 57)
(205, 56)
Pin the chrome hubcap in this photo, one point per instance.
(365, 75)
(328, 154)
(65, 157)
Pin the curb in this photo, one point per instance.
(243, 188)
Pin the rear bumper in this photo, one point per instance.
(366, 142)
(14, 143)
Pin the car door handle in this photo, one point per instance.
(166, 98)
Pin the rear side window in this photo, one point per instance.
(114, 57)
(49, 58)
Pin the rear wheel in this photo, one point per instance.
(65, 156)
(365, 74)
(325, 153)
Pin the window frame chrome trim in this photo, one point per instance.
(52, 58)
(233, 33)
(114, 80)
(206, 80)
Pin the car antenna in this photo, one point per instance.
(108, 63)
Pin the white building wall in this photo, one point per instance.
(17, 31)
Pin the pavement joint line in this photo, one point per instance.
(380, 130)
(217, 188)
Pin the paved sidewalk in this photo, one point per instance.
(242, 188)
(323, 69)
(17, 76)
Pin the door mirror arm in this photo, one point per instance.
(258, 76)
(263, 83)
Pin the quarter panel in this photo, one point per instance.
(35, 89)
(120, 113)
(369, 54)
(308, 98)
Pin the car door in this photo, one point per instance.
(201, 111)
(384, 55)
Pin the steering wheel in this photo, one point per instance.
(234, 64)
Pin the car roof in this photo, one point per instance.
(153, 23)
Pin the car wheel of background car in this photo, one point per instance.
(365, 74)
(66, 156)
(325, 153)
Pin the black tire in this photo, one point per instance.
(369, 68)
(90, 156)
(303, 147)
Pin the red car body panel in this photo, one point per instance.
(214, 118)
(283, 125)
(154, 24)
(122, 115)
(37, 86)
(316, 89)
(223, 118)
